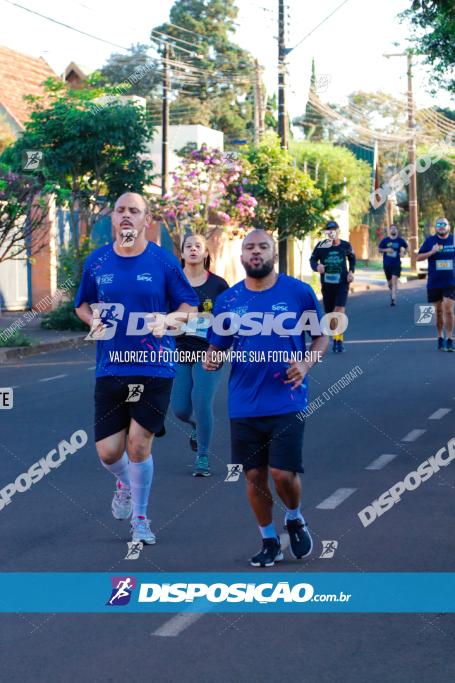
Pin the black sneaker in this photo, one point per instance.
(449, 345)
(301, 541)
(270, 553)
(392, 302)
(441, 344)
(193, 441)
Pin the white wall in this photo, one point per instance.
(179, 136)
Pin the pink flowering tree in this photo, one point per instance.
(207, 194)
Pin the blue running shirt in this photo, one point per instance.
(256, 388)
(150, 282)
(441, 266)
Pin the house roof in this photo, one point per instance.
(21, 75)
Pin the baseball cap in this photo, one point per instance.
(332, 225)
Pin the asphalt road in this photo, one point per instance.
(401, 406)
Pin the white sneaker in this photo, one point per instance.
(121, 503)
(140, 528)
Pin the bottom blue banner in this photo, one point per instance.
(228, 592)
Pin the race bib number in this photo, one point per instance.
(444, 265)
(392, 254)
(332, 278)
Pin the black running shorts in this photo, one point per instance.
(274, 441)
(118, 399)
(334, 295)
(440, 293)
(394, 269)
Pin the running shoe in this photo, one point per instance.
(193, 440)
(392, 302)
(121, 503)
(270, 553)
(201, 467)
(441, 344)
(449, 345)
(299, 536)
(140, 529)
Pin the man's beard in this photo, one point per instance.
(442, 233)
(258, 272)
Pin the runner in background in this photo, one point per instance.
(194, 389)
(392, 249)
(329, 260)
(439, 249)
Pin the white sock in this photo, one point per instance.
(141, 475)
(292, 515)
(119, 469)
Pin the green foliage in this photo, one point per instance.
(223, 70)
(435, 189)
(16, 339)
(21, 216)
(70, 264)
(433, 25)
(329, 166)
(92, 153)
(63, 318)
(287, 198)
(120, 67)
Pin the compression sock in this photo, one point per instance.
(119, 469)
(141, 475)
(268, 531)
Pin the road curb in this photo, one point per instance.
(21, 351)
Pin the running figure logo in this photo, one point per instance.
(328, 549)
(234, 472)
(134, 550)
(134, 393)
(128, 237)
(424, 314)
(122, 587)
(32, 159)
(104, 323)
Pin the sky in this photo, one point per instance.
(348, 47)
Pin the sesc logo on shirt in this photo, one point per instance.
(147, 277)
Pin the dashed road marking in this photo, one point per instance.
(177, 624)
(413, 435)
(440, 413)
(338, 497)
(382, 461)
(48, 379)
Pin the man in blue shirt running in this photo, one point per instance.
(268, 386)
(392, 248)
(123, 283)
(439, 249)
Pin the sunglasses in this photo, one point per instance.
(441, 224)
(331, 226)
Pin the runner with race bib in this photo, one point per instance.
(329, 260)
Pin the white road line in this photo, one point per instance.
(382, 461)
(48, 379)
(381, 341)
(413, 435)
(177, 624)
(438, 414)
(335, 499)
(92, 367)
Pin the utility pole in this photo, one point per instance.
(412, 191)
(165, 122)
(259, 124)
(282, 122)
(413, 206)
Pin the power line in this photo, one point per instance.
(61, 23)
(320, 24)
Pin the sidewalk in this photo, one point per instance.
(41, 340)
